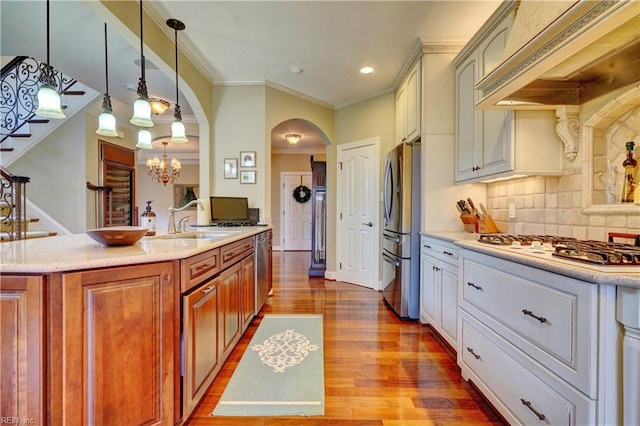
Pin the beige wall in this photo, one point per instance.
(238, 125)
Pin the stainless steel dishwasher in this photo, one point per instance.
(263, 268)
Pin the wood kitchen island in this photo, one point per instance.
(120, 335)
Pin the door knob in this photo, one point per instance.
(370, 224)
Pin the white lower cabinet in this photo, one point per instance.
(540, 346)
(439, 287)
(526, 395)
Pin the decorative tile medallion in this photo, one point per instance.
(284, 350)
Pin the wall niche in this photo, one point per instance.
(605, 134)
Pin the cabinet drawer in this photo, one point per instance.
(198, 268)
(550, 317)
(231, 253)
(439, 249)
(542, 314)
(530, 395)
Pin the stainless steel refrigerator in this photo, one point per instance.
(401, 234)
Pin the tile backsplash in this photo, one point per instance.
(552, 205)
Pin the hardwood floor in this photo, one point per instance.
(378, 370)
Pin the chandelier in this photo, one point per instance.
(159, 169)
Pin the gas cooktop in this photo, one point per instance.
(585, 251)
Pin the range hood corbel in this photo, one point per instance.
(568, 128)
(591, 49)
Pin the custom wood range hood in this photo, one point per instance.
(565, 53)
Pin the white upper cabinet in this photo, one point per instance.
(408, 99)
(489, 143)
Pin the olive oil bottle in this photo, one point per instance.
(629, 183)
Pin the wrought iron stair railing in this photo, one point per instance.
(13, 206)
(19, 83)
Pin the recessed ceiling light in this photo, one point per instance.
(296, 70)
(366, 70)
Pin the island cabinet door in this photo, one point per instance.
(229, 308)
(21, 352)
(118, 340)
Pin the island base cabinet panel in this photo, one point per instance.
(248, 280)
(229, 308)
(118, 346)
(21, 350)
(522, 395)
(201, 359)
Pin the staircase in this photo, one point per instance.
(20, 130)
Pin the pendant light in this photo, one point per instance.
(48, 96)
(144, 139)
(106, 120)
(178, 134)
(141, 108)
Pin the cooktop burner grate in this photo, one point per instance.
(587, 251)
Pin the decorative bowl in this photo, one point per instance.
(117, 235)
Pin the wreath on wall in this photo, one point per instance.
(302, 194)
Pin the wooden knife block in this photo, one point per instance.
(470, 222)
(487, 226)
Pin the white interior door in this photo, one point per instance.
(296, 217)
(358, 212)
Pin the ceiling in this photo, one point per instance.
(245, 42)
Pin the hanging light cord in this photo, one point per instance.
(106, 60)
(142, 85)
(48, 61)
(175, 31)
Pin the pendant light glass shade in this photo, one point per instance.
(141, 113)
(144, 139)
(48, 97)
(49, 102)
(178, 134)
(107, 125)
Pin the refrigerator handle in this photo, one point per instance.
(386, 197)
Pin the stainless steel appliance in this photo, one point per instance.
(400, 237)
(263, 268)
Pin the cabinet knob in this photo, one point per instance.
(167, 278)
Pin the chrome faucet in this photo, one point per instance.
(172, 215)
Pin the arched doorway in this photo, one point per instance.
(290, 164)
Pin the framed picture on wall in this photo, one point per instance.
(248, 176)
(247, 158)
(231, 168)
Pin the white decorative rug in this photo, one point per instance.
(282, 371)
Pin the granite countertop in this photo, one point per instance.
(627, 276)
(79, 251)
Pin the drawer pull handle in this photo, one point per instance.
(472, 352)
(533, 410)
(205, 267)
(477, 287)
(208, 289)
(528, 312)
(448, 253)
(435, 268)
(426, 246)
